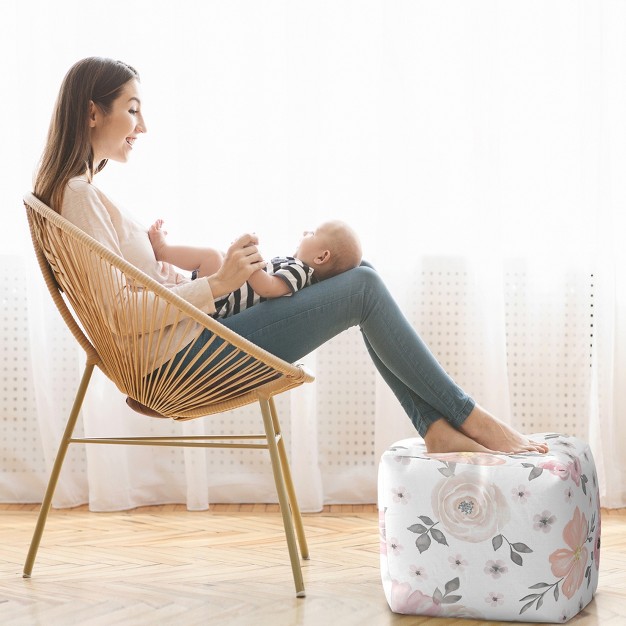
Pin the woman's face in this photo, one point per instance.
(113, 135)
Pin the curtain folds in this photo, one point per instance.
(479, 148)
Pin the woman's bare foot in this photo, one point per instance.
(442, 437)
(489, 431)
(157, 238)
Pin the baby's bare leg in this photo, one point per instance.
(206, 260)
(211, 261)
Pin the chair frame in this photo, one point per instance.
(48, 228)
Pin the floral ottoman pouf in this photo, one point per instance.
(497, 537)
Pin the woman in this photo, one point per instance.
(98, 117)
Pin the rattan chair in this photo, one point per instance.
(126, 322)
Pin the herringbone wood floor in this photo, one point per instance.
(226, 566)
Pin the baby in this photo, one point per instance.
(329, 250)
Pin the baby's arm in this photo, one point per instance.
(268, 286)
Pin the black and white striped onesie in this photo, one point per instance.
(294, 272)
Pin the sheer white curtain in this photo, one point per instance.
(478, 147)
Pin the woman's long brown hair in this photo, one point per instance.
(68, 151)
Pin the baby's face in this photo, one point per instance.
(313, 242)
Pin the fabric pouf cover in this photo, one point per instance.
(495, 537)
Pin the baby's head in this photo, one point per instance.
(332, 248)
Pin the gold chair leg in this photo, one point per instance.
(56, 470)
(283, 497)
(293, 499)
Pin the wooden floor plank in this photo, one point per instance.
(228, 565)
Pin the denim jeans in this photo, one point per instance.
(291, 327)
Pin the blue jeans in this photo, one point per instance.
(291, 327)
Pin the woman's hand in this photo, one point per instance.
(241, 261)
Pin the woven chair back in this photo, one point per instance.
(143, 336)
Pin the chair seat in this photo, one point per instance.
(136, 406)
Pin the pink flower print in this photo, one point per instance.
(418, 572)
(568, 494)
(544, 521)
(404, 460)
(469, 507)
(405, 600)
(520, 494)
(556, 468)
(457, 562)
(395, 547)
(575, 470)
(570, 562)
(494, 599)
(400, 494)
(496, 568)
